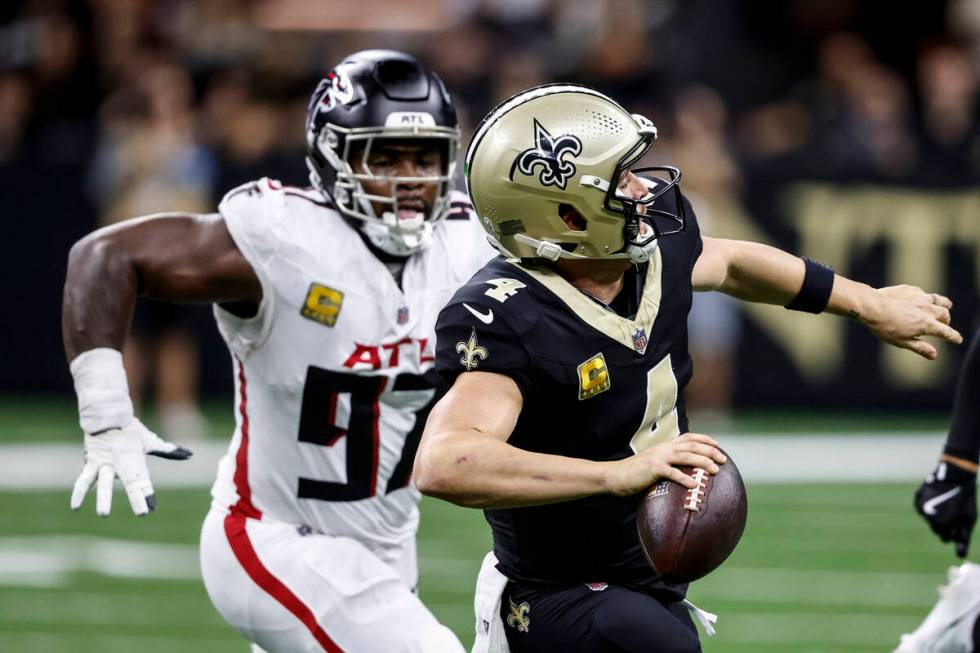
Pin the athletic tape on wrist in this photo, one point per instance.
(818, 283)
(102, 389)
(966, 454)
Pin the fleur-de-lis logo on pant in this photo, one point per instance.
(549, 153)
(518, 616)
(472, 352)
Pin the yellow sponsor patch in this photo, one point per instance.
(322, 304)
(593, 377)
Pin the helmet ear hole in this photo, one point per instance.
(572, 218)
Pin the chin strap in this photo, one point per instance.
(638, 255)
(641, 253)
(553, 251)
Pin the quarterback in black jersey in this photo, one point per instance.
(567, 357)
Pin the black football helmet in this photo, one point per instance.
(372, 95)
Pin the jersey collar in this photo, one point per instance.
(632, 334)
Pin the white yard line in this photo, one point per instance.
(818, 457)
(54, 466)
(47, 561)
(762, 459)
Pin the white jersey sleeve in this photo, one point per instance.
(466, 238)
(253, 214)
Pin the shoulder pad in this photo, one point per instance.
(476, 336)
(253, 213)
(460, 207)
(254, 197)
(462, 235)
(308, 194)
(499, 292)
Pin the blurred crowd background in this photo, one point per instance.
(843, 129)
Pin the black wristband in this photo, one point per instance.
(818, 283)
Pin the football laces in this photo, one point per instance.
(695, 495)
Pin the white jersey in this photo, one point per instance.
(333, 375)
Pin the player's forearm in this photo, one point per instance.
(100, 290)
(479, 471)
(764, 274)
(852, 299)
(759, 273)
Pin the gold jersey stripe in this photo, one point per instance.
(605, 321)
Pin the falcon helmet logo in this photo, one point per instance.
(339, 91)
(549, 153)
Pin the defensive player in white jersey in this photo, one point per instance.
(327, 298)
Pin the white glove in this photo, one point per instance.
(122, 453)
(111, 449)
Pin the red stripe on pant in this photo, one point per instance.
(241, 545)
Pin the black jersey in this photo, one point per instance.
(595, 385)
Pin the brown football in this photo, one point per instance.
(686, 533)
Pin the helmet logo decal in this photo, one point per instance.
(339, 91)
(550, 153)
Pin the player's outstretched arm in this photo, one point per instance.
(899, 315)
(464, 457)
(173, 257)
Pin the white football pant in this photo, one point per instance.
(292, 593)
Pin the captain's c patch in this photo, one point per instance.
(322, 304)
(593, 377)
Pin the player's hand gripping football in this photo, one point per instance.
(948, 501)
(902, 315)
(122, 452)
(638, 472)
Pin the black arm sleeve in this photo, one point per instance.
(964, 433)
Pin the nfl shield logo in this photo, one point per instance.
(640, 340)
(403, 315)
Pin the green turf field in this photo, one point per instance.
(823, 568)
(830, 569)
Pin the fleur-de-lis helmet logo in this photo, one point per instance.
(549, 154)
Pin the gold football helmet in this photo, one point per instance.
(562, 145)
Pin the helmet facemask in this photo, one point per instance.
(369, 99)
(392, 231)
(641, 230)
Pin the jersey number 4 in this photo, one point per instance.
(660, 417)
(317, 425)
